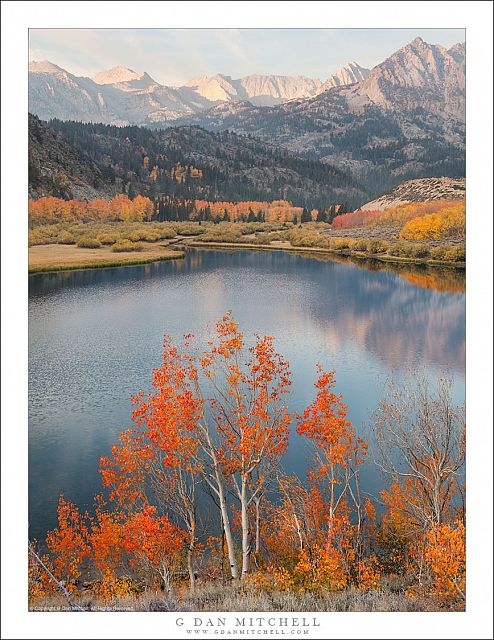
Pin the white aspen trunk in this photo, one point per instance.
(190, 552)
(228, 532)
(299, 533)
(220, 491)
(246, 549)
(258, 527)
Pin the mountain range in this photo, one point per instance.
(122, 96)
(404, 119)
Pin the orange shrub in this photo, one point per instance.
(446, 222)
(445, 555)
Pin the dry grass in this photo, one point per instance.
(58, 257)
(218, 597)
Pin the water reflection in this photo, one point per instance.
(95, 337)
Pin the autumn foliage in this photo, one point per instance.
(216, 425)
(417, 220)
(51, 210)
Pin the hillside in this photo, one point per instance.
(57, 168)
(193, 163)
(422, 190)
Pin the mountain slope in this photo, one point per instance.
(419, 75)
(422, 190)
(193, 163)
(56, 168)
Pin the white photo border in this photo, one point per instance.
(17, 18)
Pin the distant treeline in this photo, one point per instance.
(170, 208)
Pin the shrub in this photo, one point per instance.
(409, 250)
(167, 233)
(125, 246)
(108, 238)
(419, 251)
(143, 234)
(377, 246)
(88, 243)
(360, 245)
(399, 249)
(455, 254)
(189, 229)
(339, 244)
(447, 221)
(65, 237)
(220, 237)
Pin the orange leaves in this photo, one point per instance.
(369, 574)
(68, 543)
(171, 411)
(126, 470)
(324, 422)
(323, 569)
(39, 582)
(354, 219)
(246, 406)
(275, 211)
(449, 220)
(272, 579)
(50, 210)
(445, 554)
(435, 219)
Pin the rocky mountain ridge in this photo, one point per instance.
(122, 96)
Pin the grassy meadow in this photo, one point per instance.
(93, 244)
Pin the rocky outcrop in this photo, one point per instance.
(423, 190)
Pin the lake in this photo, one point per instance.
(95, 337)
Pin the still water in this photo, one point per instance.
(95, 337)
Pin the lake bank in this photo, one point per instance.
(61, 257)
(286, 246)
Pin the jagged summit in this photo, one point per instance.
(350, 73)
(118, 74)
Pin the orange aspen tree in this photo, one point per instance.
(157, 457)
(216, 415)
(251, 419)
(337, 450)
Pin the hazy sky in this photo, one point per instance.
(173, 56)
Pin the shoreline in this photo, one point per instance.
(318, 250)
(184, 243)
